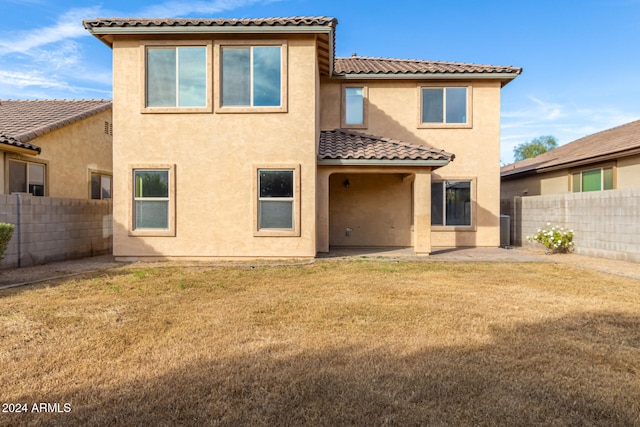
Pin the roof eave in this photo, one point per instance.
(503, 77)
(102, 33)
(382, 162)
(19, 150)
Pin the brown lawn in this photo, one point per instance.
(332, 343)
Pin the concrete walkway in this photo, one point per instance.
(29, 275)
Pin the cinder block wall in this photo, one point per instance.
(606, 224)
(53, 229)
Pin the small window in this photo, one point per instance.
(26, 177)
(251, 76)
(444, 105)
(354, 107)
(451, 203)
(593, 180)
(100, 186)
(176, 76)
(151, 199)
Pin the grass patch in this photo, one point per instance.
(333, 343)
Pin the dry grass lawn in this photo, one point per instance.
(332, 343)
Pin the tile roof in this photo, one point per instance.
(389, 66)
(341, 144)
(23, 120)
(7, 140)
(293, 21)
(606, 145)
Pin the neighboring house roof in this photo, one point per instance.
(361, 66)
(25, 120)
(607, 145)
(340, 146)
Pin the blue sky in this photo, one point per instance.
(580, 59)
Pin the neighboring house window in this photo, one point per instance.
(354, 102)
(444, 105)
(176, 78)
(153, 211)
(252, 77)
(26, 177)
(451, 203)
(100, 186)
(277, 201)
(593, 180)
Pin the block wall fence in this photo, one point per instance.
(51, 229)
(606, 224)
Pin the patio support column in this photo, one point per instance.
(322, 210)
(422, 212)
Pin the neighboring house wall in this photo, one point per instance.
(393, 109)
(70, 154)
(628, 172)
(605, 223)
(51, 229)
(215, 156)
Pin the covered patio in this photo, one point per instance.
(374, 192)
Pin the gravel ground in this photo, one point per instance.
(29, 275)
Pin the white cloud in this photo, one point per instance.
(68, 26)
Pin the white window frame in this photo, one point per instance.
(426, 125)
(147, 44)
(170, 231)
(220, 45)
(365, 106)
(273, 232)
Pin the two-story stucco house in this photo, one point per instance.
(248, 138)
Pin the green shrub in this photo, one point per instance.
(6, 231)
(554, 239)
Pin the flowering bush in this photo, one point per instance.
(554, 239)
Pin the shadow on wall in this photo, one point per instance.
(537, 373)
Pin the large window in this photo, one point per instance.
(100, 186)
(176, 76)
(593, 180)
(251, 77)
(26, 177)
(444, 105)
(151, 194)
(354, 106)
(451, 203)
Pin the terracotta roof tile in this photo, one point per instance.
(294, 21)
(611, 143)
(341, 144)
(7, 140)
(389, 66)
(25, 120)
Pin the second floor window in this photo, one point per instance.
(176, 76)
(26, 177)
(251, 76)
(354, 107)
(445, 105)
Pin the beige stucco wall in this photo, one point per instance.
(628, 172)
(375, 210)
(70, 154)
(215, 157)
(393, 108)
